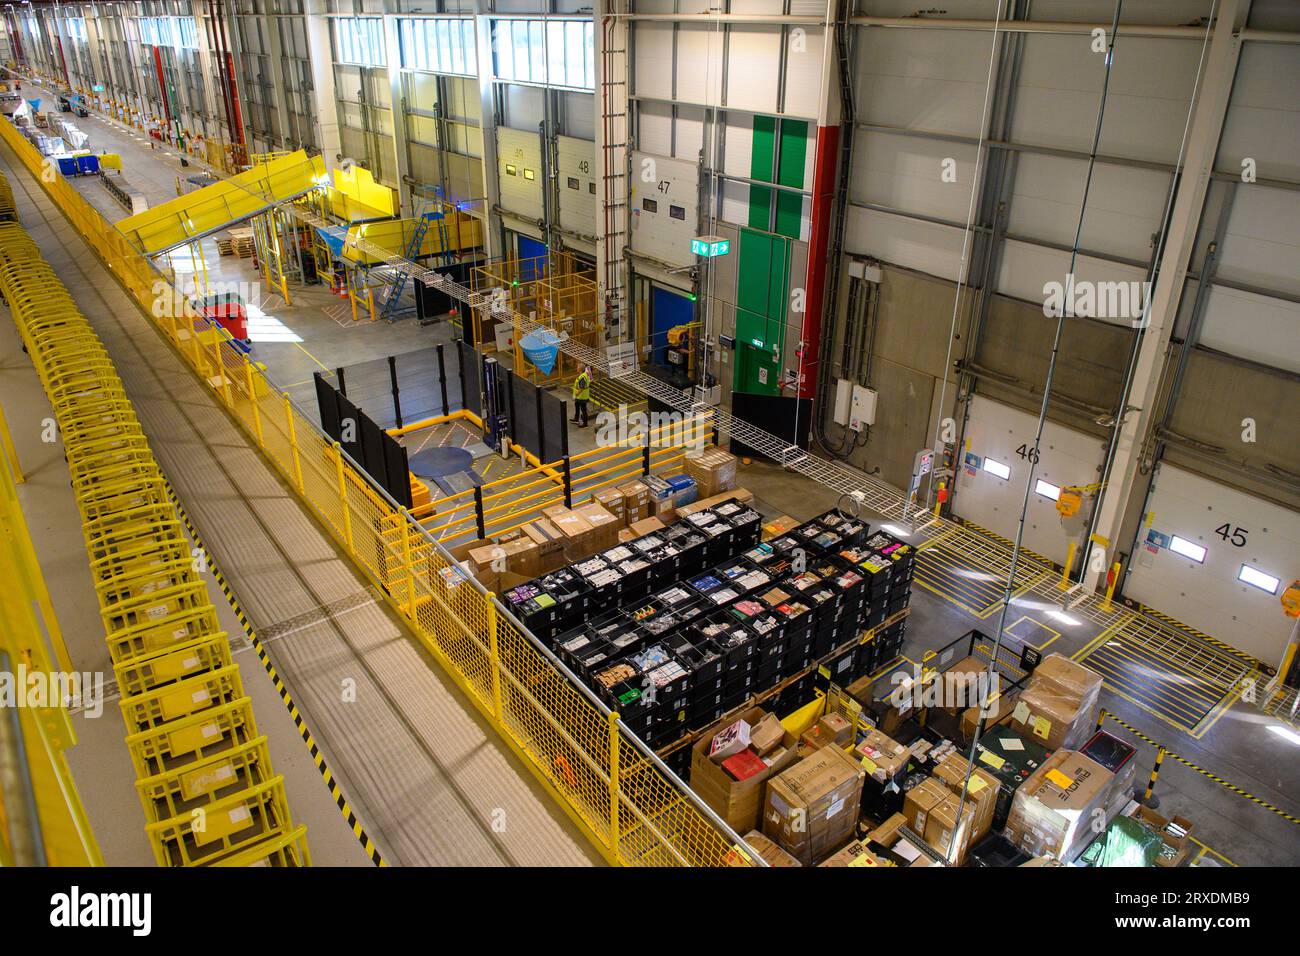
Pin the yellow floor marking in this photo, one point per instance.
(1205, 849)
(1219, 710)
(298, 346)
(1037, 623)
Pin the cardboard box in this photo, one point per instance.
(920, 801)
(1053, 812)
(812, 808)
(739, 802)
(882, 757)
(604, 526)
(993, 713)
(729, 741)
(855, 854)
(888, 835)
(520, 556)
(943, 832)
(887, 832)
(961, 684)
(636, 500)
(713, 469)
(766, 735)
(646, 526)
(766, 848)
(981, 792)
(839, 729)
(546, 536)
(612, 500)
(1059, 706)
(1179, 846)
(575, 530)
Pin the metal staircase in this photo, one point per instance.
(424, 214)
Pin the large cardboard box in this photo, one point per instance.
(945, 834)
(920, 800)
(854, 854)
(961, 684)
(889, 836)
(636, 500)
(1059, 706)
(613, 501)
(812, 808)
(739, 802)
(579, 541)
(713, 469)
(981, 792)
(743, 495)
(520, 556)
(1053, 812)
(604, 526)
(993, 714)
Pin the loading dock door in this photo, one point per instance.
(1006, 435)
(667, 311)
(532, 256)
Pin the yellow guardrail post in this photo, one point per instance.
(614, 752)
(252, 398)
(1064, 584)
(293, 442)
(11, 453)
(1155, 772)
(343, 497)
(370, 302)
(494, 652)
(1111, 580)
(406, 560)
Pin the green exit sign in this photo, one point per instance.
(710, 246)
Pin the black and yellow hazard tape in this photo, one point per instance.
(317, 757)
(1006, 542)
(1201, 635)
(1106, 715)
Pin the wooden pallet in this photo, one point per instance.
(238, 242)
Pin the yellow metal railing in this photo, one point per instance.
(208, 801)
(624, 799)
(42, 820)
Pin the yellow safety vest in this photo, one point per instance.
(582, 388)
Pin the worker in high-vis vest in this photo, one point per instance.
(581, 396)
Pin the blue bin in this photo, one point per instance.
(86, 165)
(68, 165)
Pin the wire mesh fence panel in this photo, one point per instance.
(421, 385)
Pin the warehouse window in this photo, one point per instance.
(1187, 549)
(995, 467)
(77, 28)
(529, 175)
(187, 33)
(1258, 579)
(573, 183)
(548, 52)
(1047, 489)
(677, 212)
(510, 170)
(359, 41)
(444, 45)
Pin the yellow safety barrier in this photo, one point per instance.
(634, 811)
(172, 661)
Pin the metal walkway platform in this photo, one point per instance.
(1182, 681)
(426, 779)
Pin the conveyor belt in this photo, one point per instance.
(428, 780)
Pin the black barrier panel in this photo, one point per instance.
(373, 458)
(328, 404)
(786, 418)
(555, 428)
(449, 377)
(431, 302)
(399, 472)
(350, 428)
(419, 392)
(524, 425)
(471, 371)
(370, 386)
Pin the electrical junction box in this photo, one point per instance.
(862, 408)
(843, 393)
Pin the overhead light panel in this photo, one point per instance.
(1188, 549)
(1258, 579)
(995, 467)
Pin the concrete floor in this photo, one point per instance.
(1238, 746)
